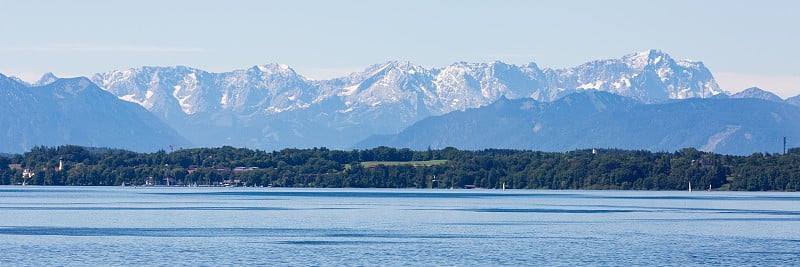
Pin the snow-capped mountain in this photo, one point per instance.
(468, 85)
(76, 111)
(181, 90)
(649, 76)
(211, 109)
(391, 92)
(272, 106)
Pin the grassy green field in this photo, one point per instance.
(394, 163)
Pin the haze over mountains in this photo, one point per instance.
(593, 119)
(272, 107)
(76, 111)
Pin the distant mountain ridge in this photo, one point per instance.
(76, 111)
(758, 93)
(602, 120)
(272, 106)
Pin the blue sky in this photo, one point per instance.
(744, 43)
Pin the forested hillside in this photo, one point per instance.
(385, 167)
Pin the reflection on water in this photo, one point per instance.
(331, 227)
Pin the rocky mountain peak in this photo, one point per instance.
(46, 79)
(638, 61)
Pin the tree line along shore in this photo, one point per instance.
(385, 167)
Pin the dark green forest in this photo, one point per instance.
(321, 167)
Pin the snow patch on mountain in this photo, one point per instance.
(717, 138)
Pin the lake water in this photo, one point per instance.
(102, 226)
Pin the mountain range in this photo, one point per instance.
(593, 119)
(273, 107)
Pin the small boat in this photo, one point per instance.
(690, 187)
